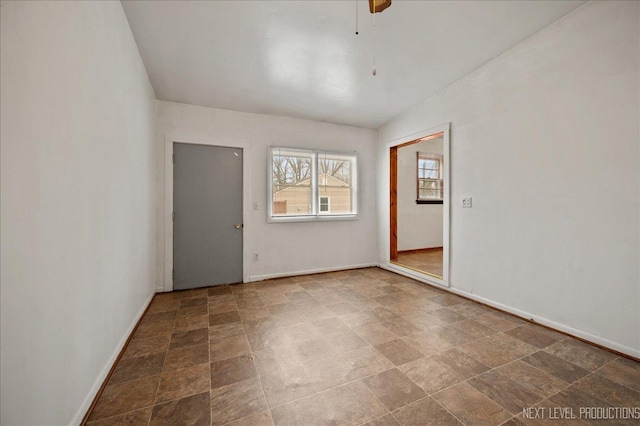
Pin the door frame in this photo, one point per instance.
(390, 207)
(169, 140)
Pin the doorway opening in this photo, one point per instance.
(419, 205)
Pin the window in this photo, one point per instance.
(307, 184)
(430, 186)
(325, 205)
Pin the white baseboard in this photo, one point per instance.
(425, 278)
(552, 324)
(77, 419)
(253, 278)
(526, 315)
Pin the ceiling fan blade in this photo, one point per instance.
(377, 6)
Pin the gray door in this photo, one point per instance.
(207, 226)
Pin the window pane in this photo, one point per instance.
(428, 169)
(431, 164)
(429, 189)
(291, 172)
(429, 193)
(335, 183)
(430, 174)
(297, 175)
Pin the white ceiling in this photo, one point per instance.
(303, 59)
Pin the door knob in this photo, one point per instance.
(237, 225)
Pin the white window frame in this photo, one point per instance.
(315, 202)
(438, 159)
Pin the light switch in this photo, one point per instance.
(466, 203)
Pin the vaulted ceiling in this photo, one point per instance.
(303, 58)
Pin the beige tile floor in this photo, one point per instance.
(351, 348)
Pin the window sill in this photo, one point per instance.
(429, 201)
(321, 218)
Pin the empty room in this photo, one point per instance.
(352, 212)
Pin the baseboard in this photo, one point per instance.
(573, 332)
(253, 278)
(82, 414)
(527, 316)
(414, 274)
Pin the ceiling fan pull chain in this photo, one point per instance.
(373, 71)
(356, 17)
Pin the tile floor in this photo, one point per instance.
(427, 260)
(350, 348)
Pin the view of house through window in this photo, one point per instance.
(292, 176)
(312, 183)
(429, 176)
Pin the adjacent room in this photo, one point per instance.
(354, 212)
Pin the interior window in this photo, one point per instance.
(429, 172)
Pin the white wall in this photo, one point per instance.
(419, 225)
(77, 202)
(283, 248)
(545, 140)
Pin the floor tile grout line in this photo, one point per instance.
(511, 362)
(264, 394)
(487, 371)
(427, 396)
(124, 413)
(333, 387)
(155, 398)
(245, 334)
(508, 420)
(605, 377)
(591, 373)
(376, 396)
(346, 383)
(562, 390)
(326, 390)
(447, 410)
(374, 419)
(173, 330)
(473, 377)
